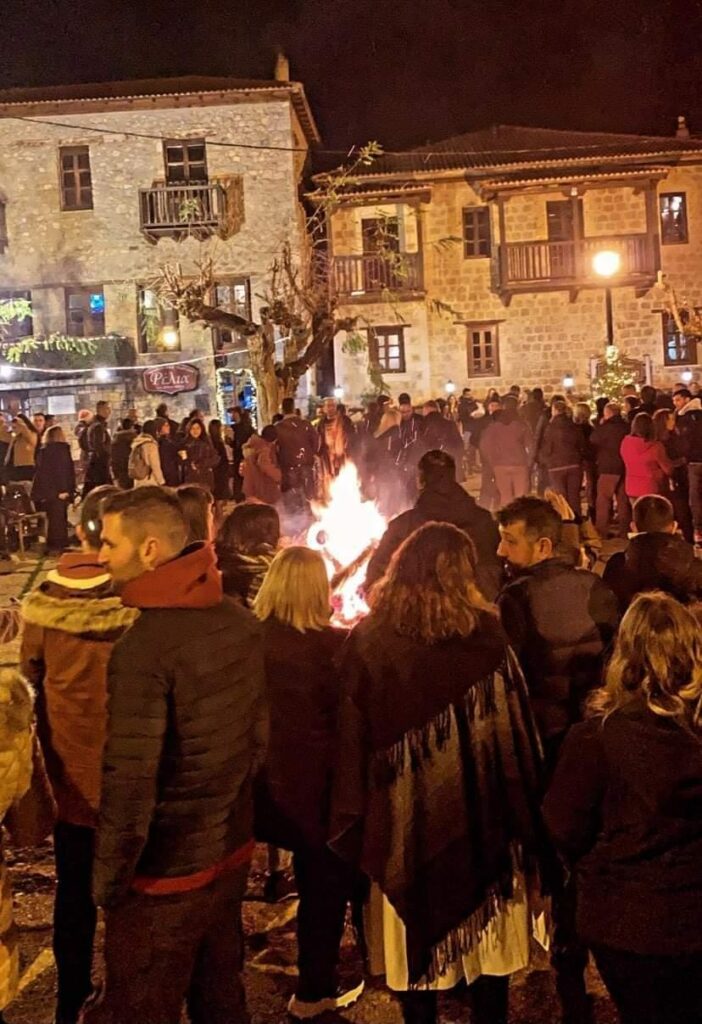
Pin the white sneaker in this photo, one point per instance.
(346, 995)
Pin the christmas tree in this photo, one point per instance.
(613, 375)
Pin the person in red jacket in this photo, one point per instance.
(646, 465)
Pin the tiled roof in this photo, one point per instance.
(506, 146)
(60, 98)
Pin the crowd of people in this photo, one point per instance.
(506, 748)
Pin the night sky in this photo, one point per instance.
(399, 71)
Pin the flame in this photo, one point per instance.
(346, 530)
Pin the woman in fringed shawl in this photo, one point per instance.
(436, 795)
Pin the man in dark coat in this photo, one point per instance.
(187, 732)
(559, 621)
(298, 444)
(441, 499)
(98, 443)
(657, 558)
(606, 441)
(438, 433)
(688, 419)
(563, 453)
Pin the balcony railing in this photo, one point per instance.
(372, 274)
(569, 264)
(180, 210)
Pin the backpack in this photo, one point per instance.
(137, 467)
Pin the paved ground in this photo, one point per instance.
(271, 950)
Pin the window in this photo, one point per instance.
(16, 329)
(76, 180)
(673, 207)
(386, 346)
(483, 351)
(186, 162)
(158, 326)
(85, 312)
(476, 232)
(678, 349)
(560, 219)
(234, 296)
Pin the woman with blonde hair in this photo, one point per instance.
(625, 808)
(292, 799)
(439, 758)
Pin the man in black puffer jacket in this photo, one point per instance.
(187, 731)
(442, 500)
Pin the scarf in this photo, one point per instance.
(437, 786)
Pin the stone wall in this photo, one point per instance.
(542, 335)
(49, 248)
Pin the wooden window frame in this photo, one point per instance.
(576, 222)
(475, 213)
(374, 350)
(475, 369)
(80, 203)
(88, 317)
(692, 343)
(674, 241)
(184, 144)
(218, 342)
(17, 329)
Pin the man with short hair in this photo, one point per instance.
(98, 443)
(187, 732)
(688, 419)
(505, 444)
(559, 621)
(298, 443)
(443, 500)
(39, 421)
(439, 433)
(71, 622)
(657, 557)
(606, 441)
(162, 414)
(562, 452)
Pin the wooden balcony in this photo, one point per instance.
(537, 266)
(359, 278)
(177, 211)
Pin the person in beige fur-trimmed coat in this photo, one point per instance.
(16, 765)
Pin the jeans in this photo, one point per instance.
(488, 998)
(568, 481)
(74, 916)
(694, 476)
(163, 950)
(324, 885)
(609, 486)
(652, 989)
(512, 482)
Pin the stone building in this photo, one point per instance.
(101, 185)
(471, 261)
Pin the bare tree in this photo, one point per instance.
(300, 300)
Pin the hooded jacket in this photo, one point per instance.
(260, 470)
(689, 424)
(444, 502)
(654, 561)
(187, 732)
(148, 447)
(505, 441)
(71, 623)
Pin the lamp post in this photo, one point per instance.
(606, 265)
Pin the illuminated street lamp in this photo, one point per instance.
(169, 337)
(568, 381)
(686, 376)
(338, 392)
(606, 264)
(450, 387)
(5, 371)
(102, 374)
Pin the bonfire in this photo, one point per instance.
(346, 532)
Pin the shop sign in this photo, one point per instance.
(171, 380)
